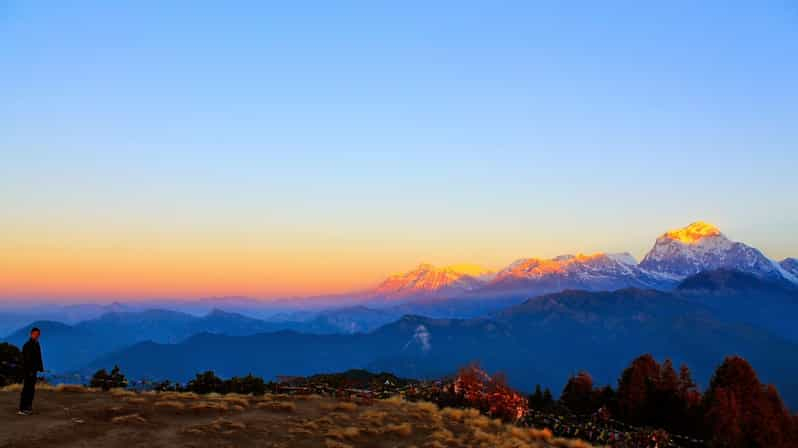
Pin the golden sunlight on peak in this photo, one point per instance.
(588, 257)
(469, 269)
(458, 269)
(693, 233)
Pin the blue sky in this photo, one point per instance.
(404, 132)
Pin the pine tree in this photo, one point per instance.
(548, 399)
(736, 397)
(578, 393)
(536, 400)
(635, 389)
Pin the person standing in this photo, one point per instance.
(31, 366)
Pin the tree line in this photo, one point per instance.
(736, 410)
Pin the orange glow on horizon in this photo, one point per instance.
(99, 273)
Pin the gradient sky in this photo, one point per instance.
(185, 149)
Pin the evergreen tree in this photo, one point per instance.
(106, 381)
(245, 385)
(578, 393)
(741, 411)
(548, 399)
(635, 390)
(536, 399)
(205, 383)
(10, 364)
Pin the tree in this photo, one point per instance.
(502, 401)
(205, 383)
(686, 384)
(670, 407)
(105, 381)
(536, 399)
(578, 393)
(724, 417)
(10, 364)
(470, 384)
(245, 385)
(166, 386)
(635, 389)
(741, 411)
(605, 397)
(548, 399)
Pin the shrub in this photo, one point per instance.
(107, 381)
(10, 365)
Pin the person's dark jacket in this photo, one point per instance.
(32, 358)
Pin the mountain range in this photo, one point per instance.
(542, 340)
(69, 347)
(696, 296)
(675, 255)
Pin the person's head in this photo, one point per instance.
(35, 333)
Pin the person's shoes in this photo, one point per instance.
(25, 413)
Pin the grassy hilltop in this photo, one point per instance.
(72, 416)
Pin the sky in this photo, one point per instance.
(191, 149)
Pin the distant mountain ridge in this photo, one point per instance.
(790, 265)
(539, 341)
(597, 272)
(466, 290)
(71, 346)
(676, 254)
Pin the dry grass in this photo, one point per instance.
(331, 443)
(177, 396)
(208, 406)
(285, 421)
(282, 406)
(74, 388)
(346, 406)
(373, 417)
(349, 432)
(569, 443)
(129, 419)
(236, 400)
(402, 429)
(118, 392)
(170, 404)
(304, 397)
(217, 426)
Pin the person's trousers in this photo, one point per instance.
(28, 389)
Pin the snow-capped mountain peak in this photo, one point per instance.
(790, 265)
(624, 257)
(599, 271)
(429, 280)
(701, 246)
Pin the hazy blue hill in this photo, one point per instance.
(355, 319)
(733, 281)
(124, 328)
(13, 318)
(543, 340)
(742, 297)
(279, 353)
(69, 347)
(63, 346)
(602, 332)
